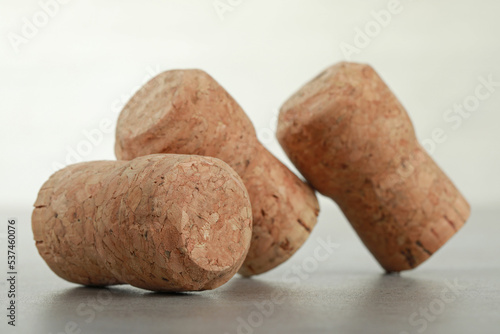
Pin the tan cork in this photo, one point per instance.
(158, 222)
(353, 141)
(188, 112)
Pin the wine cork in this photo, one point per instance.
(353, 141)
(188, 112)
(158, 222)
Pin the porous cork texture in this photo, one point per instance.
(188, 112)
(158, 222)
(353, 141)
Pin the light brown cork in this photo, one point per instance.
(188, 112)
(353, 141)
(158, 222)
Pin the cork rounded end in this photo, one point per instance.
(143, 117)
(217, 244)
(217, 236)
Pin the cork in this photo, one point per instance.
(354, 142)
(158, 222)
(188, 112)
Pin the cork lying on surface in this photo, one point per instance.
(158, 222)
(353, 141)
(188, 112)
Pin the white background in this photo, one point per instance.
(87, 59)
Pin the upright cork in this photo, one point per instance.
(188, 112)
(353, 141)
(158, 222)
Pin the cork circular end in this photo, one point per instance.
(216, 236)
(214, 245)
(145, 114)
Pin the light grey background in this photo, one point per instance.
(75, 72)
(92, 54)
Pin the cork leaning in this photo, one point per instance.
(188, 112)
(353, 141)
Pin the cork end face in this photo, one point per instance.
(317, 95)
(140, 122)
(215, 243)
(216, 236)
(215, 222)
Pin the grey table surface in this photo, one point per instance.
(336, 289)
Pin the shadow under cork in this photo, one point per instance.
(125, 309)
(87, 309)
(398, 303)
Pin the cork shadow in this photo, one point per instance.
(389, 300)
(89, 308)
